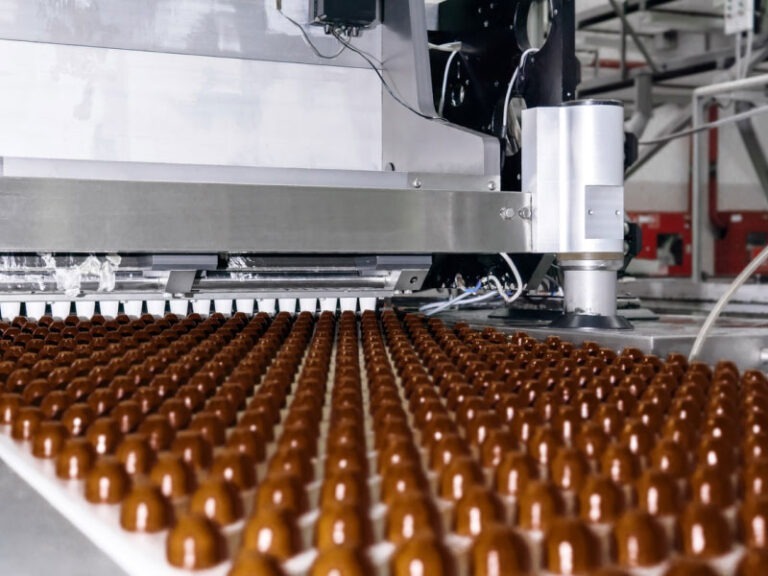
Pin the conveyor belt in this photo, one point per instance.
(384, 444)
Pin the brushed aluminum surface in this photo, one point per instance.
(57, 215)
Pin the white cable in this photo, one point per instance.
(759, 260)
(447, 47)
(500, 289)
(456, 303)
(723, 121)
(429, 310)
(516, 273)
(511, 87)
(450, 301)
(441, 107)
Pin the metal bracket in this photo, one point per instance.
(411, 280)
(180, 281)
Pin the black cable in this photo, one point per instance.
(384, 82)
(309, 40)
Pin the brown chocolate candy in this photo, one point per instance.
(219, 500)
(273, 531)
(107, 482)
(341, 560)
(422, 555)
(195, 543)
(640, 540)
(146, 509)
(499, 551)
(571, 547)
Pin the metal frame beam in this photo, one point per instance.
(91, 216)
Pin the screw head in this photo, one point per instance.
(491, 185)
(507, 213)
(416, 183)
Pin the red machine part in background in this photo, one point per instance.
(739, 235)
(745, 235)
(666, 240)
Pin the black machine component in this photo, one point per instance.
(493, 36)
(344, 13)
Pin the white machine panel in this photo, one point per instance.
(85, 103)
(739, 15)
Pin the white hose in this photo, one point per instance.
(723, 302)
(443, 92)
(519, 286)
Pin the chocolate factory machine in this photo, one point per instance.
(179, 156)
(332, 288)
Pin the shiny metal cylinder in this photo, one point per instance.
(573, 166)
(590, 287)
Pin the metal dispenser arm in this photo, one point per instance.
(573, 166)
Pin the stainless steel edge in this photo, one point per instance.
(246, 29)
(197, 173)
(55, 215)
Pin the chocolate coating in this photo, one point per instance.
(236, 467)
(601, 500)
(462, 473)
(295, 461)
(754, 562)
(282, 491)
(195, 543)
(26, 423)
(640, 540)
(9, 407)
(477, 508)
(273, 531)
(571, 547)
(412, 514)
(342, 525)
(248, 442)
(49, 439)
(158, 430)
(621, 464)
(251, 562)
(753, 522)
(402, 478)
(515, 471)
(107, 482)
(219, 500)
(540, 504)
(76, 458)
(712, 486)
(193, 448)
(569, 469)
(705, 533)
(690, 567)
(499, 551)
(173, 475)
(345, 487)
(341, 561)
(146, 509)
(136, 454)
(422, 555)
(659, 493)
